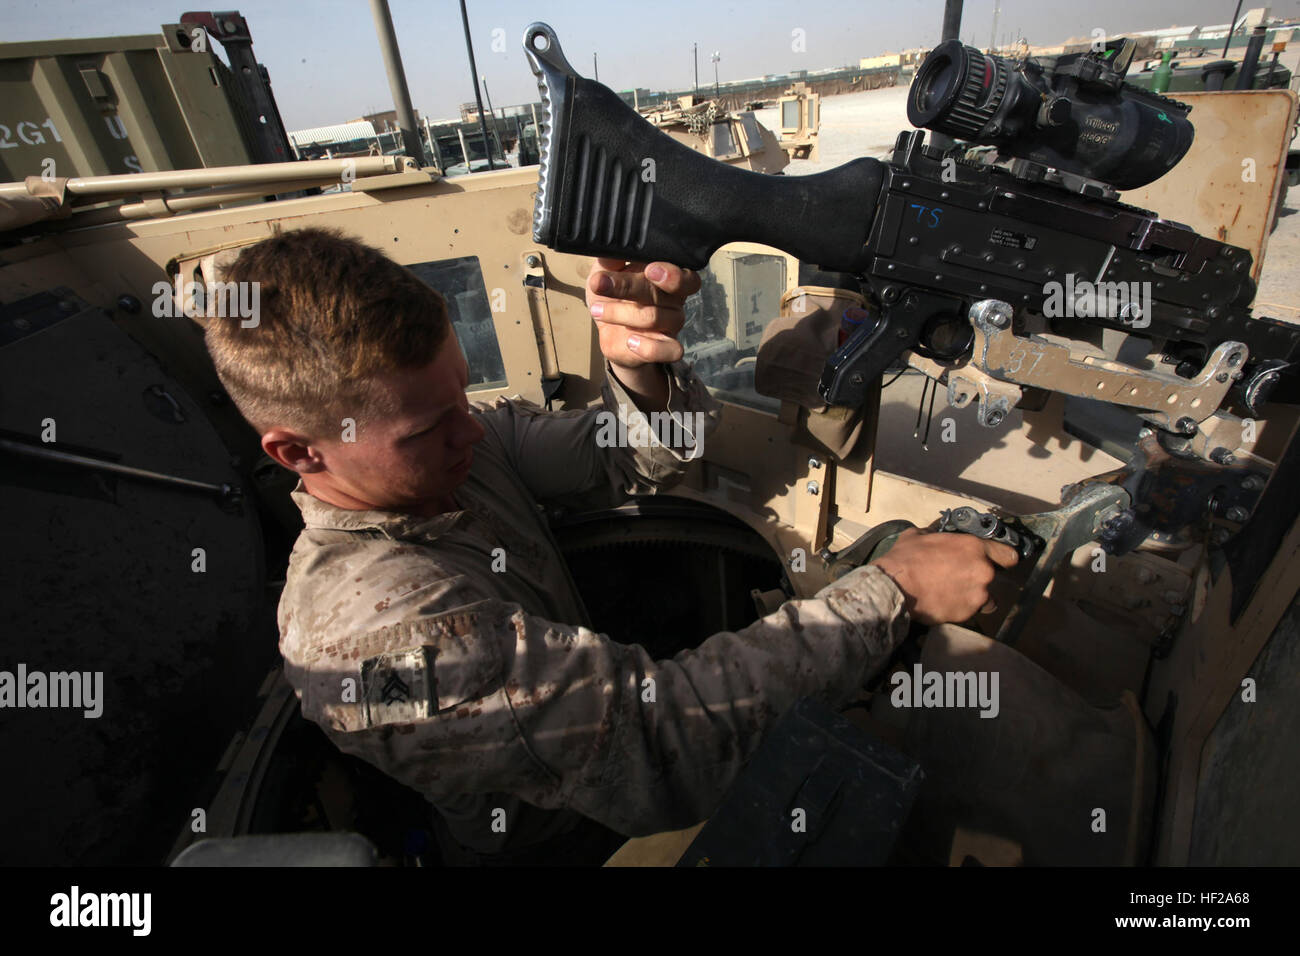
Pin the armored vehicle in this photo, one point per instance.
(1145, 647)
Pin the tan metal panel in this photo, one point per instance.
(1227, 184)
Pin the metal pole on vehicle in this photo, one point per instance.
(496, 129)
(464, 149)
(1232, 28)
(951, 31)
(1250, 63)
(435, 156)
(397, 81)
(478, 97)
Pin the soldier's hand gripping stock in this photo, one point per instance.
(639, 309)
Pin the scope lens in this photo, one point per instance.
(953, 91)
(936, 87)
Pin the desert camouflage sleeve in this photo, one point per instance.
(566, 456)
(489, 699)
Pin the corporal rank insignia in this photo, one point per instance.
(398, 687)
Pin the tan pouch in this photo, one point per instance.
(789, 365)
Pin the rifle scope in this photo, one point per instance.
(1075, 114)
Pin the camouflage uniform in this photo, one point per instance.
(483, 690)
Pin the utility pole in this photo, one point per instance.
(478, 97)
(595, 68)
(696, 87)
(993, 37)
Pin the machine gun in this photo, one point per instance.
(933, 235)
(990, 273)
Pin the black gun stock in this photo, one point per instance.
(611, 184)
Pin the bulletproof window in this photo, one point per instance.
(753, 137)
(723, 144)
(789, 114)
(460, 282)
(740, 293)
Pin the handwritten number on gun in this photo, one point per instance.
(931, 214)
(1016, 357)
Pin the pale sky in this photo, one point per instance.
(325, 66)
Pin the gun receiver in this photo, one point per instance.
(967, 261)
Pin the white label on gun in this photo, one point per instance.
(1015, 240)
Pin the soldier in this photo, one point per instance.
(428, 622)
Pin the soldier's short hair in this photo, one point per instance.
(333, 313)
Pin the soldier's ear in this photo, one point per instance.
(293, 451)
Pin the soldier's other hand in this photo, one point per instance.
(944, 577)
(639, 309)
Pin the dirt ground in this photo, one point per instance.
(867, 124)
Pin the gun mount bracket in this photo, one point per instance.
(995, 399)
(1086, 511)
(1176, 497)
(1166, 400)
